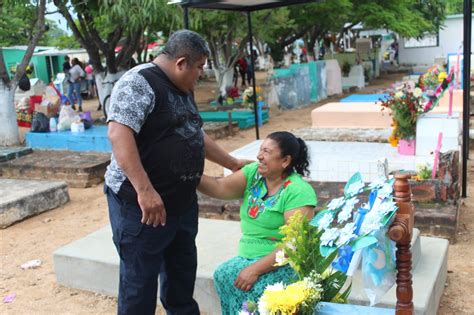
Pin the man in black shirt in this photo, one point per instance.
(158, 156)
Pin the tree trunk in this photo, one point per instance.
(8, 126)
(224, 78)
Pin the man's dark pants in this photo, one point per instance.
(146, 252)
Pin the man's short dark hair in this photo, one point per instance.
(188, 44)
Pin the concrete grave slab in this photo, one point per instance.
(25, 198)
(10, 153)
(91, 263)
(351, 115)
(78, 169)
(337, 161)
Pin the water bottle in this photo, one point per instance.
(52, 124)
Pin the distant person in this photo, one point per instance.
(242, 67)
(248, 60)
(90, 80)
(394, 47)
(76, 74)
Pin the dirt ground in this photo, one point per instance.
(39, 236)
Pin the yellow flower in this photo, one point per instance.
(393, 140)
(443, 75)
(287, 300)
(399, 95)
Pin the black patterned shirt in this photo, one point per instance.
(168, 134)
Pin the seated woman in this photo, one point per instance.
(273, 190)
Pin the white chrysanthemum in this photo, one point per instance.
(417, 92)
(355, 188)
(262, 307)
(326, 221)
(336, 203)
(275, 287)
(280, 258)
(399, 95)
(346, 234)
(329, 237)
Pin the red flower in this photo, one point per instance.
(253, 212)
(286, 183)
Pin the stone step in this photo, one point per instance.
(344, 134)
(91, 263)
(25, 198)
(78, 169)
(10, 153)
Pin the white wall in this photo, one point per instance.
(450, 38)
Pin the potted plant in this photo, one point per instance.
(406, 104)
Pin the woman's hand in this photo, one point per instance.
(246, 278)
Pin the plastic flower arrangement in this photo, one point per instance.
(357, 232)
(406, 104)
(429, 81)
(445, 82)
(248, 96)
(317, 281)
(423, 171)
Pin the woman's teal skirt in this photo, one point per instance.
(232, 297)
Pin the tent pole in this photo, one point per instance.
(252, 62)
(186, 18)
(466, 91)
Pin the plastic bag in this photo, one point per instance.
(86, 118)
(24, 83)
(66, 117)
(379, 267)
(39, 122)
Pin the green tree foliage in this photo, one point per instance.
(102, 25)
(31, 18)
(16, 23)
(454, 7)
(409, 18)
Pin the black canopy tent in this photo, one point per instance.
(247, 6)
(255, 5)
(467, 91)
